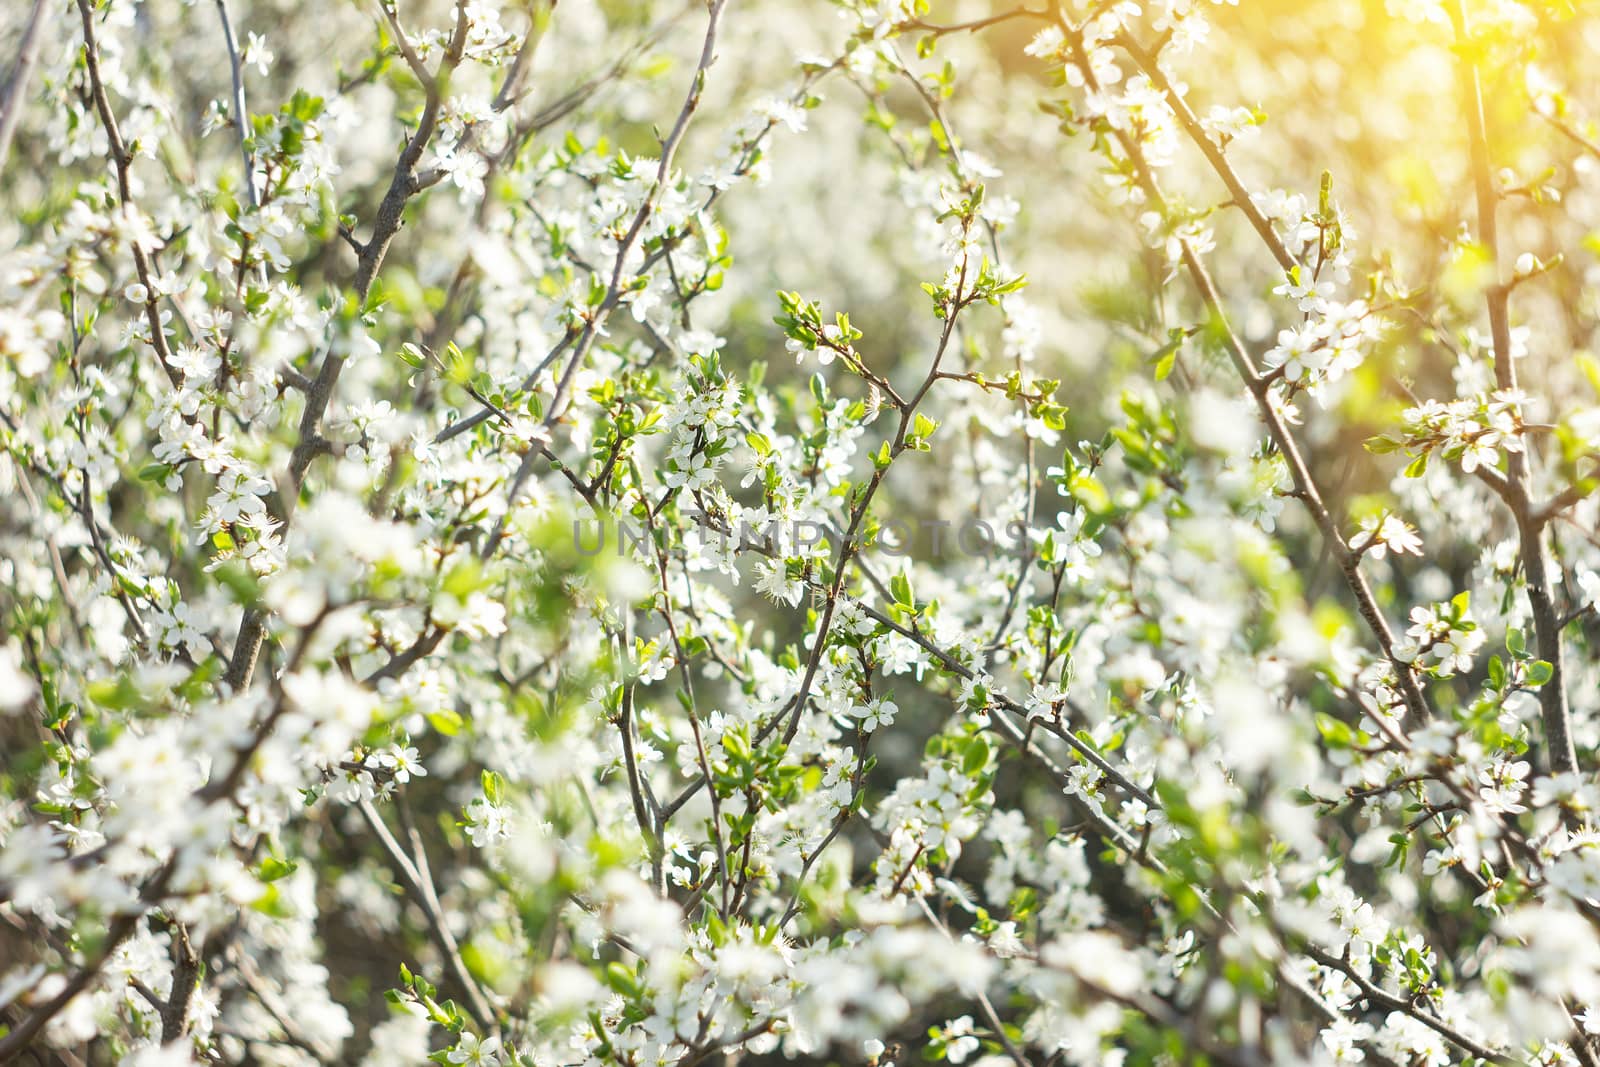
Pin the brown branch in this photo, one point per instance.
(597, 317)
(1536, 562)
(402, 186)
(185, 976)
(121, 162)
(21, 1036)
(1305, 486)
(16, 89)
(1151, 66)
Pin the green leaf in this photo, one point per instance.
(1334, 731)
(900, 587)
(272, 903)
(272, 868)
(976, 758)
(117, 694)
(621, 979)
(1165, 364)
(463, 579)
(446, 721)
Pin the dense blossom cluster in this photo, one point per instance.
(1259, 726)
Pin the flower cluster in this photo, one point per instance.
(456, 597)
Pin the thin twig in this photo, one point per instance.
(426, 898)
(241, 113)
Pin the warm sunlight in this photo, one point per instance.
(853, 533)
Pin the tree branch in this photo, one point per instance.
(1536, 563)
(16, 89)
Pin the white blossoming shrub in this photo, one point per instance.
(743, 531)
